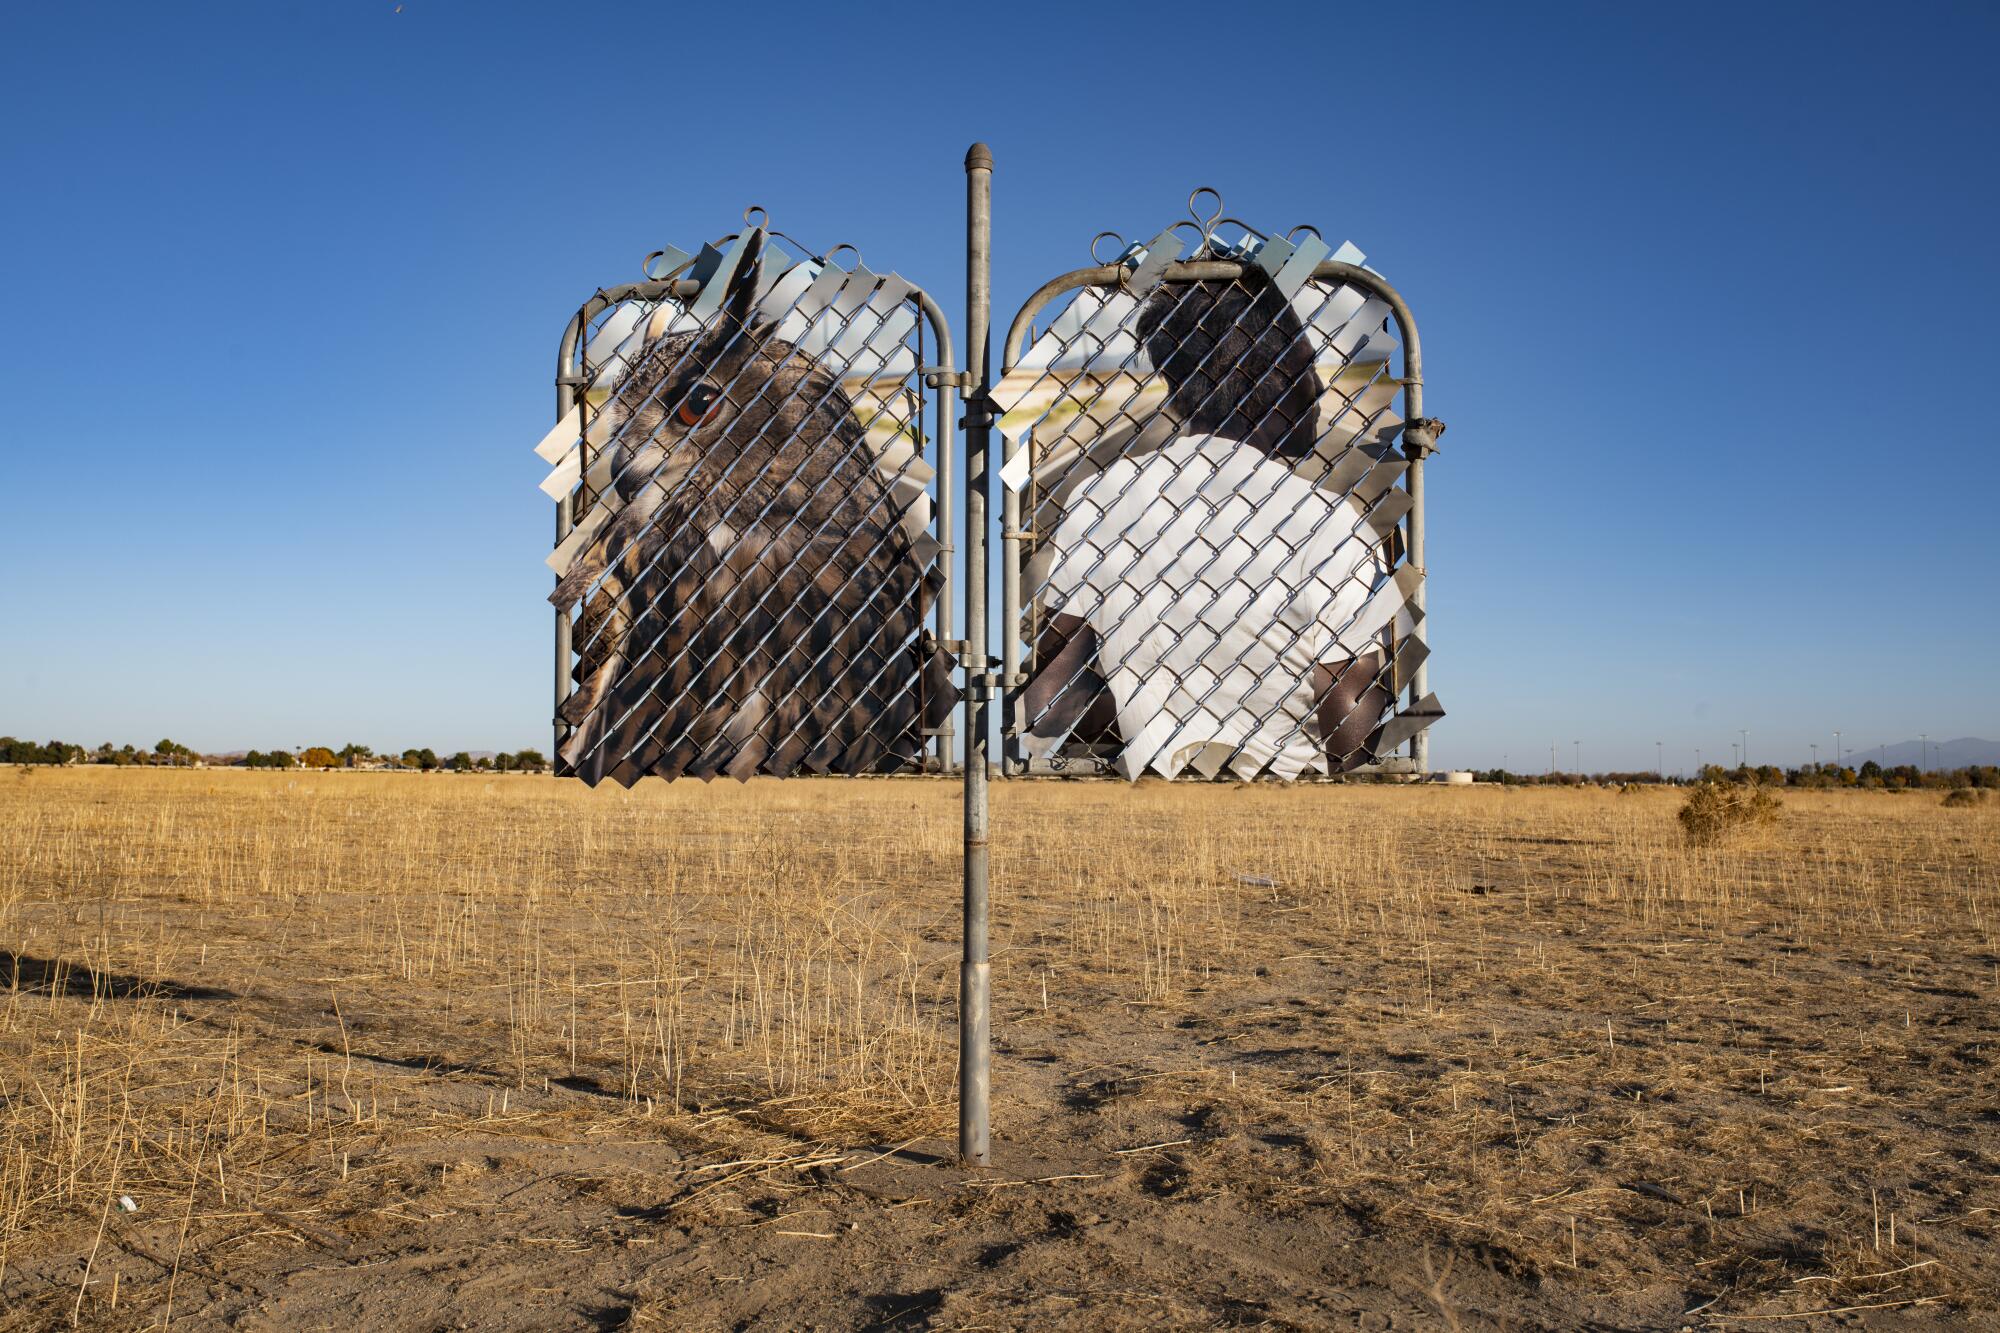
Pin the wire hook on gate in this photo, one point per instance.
(1205, 226)
(763, 218)
(1112, 236)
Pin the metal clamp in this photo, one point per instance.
(979, 413)
(944, 377)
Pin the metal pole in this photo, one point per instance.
(945, 385)
(567, 379)
(1419, 439)
(570, 378)
(1012, 678)
(975, 1069)
(946, 475)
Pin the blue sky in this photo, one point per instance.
(1707, 298)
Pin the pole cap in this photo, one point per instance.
(979, 157)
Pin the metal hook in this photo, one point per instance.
(827, 258)
(1194, 210)
(763, 217)
(1101, 236)
(1305, 227)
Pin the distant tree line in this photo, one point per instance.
(1870, 775)
(171, 754)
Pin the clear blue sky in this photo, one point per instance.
(1708, 297)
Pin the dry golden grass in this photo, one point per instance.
(1446, 1055)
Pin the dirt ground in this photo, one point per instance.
(432, 1052)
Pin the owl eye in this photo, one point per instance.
(700, 404)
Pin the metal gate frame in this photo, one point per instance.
(941, 378)
(1419, 441)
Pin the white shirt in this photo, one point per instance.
(1216, 578)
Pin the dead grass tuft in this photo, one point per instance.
(1715, 810)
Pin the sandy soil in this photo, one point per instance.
(388, 1051)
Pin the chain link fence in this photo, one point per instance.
(750, 572)
(1208, 550)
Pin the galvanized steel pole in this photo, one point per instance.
(567, 381)
(1419, 441)
(947, 473)
(975, 1070)
(570, 377)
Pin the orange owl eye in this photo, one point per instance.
(700, 404)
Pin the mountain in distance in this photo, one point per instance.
(1965, 752)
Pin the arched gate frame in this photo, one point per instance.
(883, 317)
(1152, 267)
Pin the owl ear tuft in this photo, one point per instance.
(741, 303)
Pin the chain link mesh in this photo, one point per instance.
(752, 566)
(1212, 577)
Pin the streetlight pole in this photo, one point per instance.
(1746, 745)
(1924, 753)
(1815, 750)
(1660, 760)
(1579, 759)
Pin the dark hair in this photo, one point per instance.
(1237, 361)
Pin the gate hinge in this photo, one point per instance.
(944, 377)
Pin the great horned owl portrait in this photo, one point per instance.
(755, 605)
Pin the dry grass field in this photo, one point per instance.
(402, 1051)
